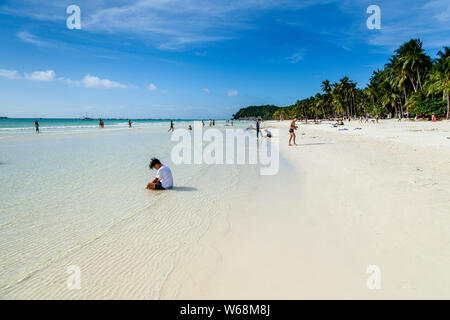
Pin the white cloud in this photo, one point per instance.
(41, 76)
(88, 81)
(167, 24)
(10, 74)
(232, 93)
(296, 57)
(97, 83)
(152, 87)
(175, 24)
(206, 90)
(30, 38)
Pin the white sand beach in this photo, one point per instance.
(342, 201)
(352, 199)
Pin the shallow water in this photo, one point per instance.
(17, 126)
(61, 193)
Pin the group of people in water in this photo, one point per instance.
(101, 124)
(212, 123)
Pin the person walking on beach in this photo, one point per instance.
(171, 126)
(36, 125)
(203, 123)
(292, 130)
(101, 123)
(129, 123)
(214, 123)
(257, 129)
(163, 179)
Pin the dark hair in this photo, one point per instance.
(154, 162)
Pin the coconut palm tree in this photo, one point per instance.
(439, 79)
(392, 98)
(414, 62)
(326, 86)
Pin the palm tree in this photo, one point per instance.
(414, 62)
(327, 97)
(439, 79)
(319, 102)
(391, 98)
(326, 86)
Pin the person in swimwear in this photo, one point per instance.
(292, 130)
(171, 126)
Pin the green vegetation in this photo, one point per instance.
(411, 84)
(263, 112)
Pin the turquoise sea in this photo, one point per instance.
(26, 125)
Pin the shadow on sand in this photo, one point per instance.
(184, 188)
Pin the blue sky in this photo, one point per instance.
(195, 58)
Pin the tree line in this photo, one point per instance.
(264, 112)
(410, 84)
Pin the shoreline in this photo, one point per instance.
(342, 201)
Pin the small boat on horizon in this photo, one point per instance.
(86, 118)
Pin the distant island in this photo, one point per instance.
(249, 113)
(3, 117)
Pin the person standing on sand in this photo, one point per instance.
(292, 132)
(101, 123)
(257, 129)
(203, 123)
(433, 118)
(171, 126)
(164, 178)
(36, 125)
(129, 123)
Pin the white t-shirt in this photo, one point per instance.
(165, 176)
